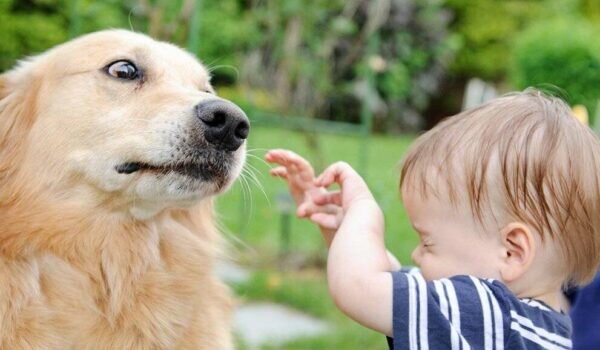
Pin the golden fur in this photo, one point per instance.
(94, 259)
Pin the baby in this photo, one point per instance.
(505, 198)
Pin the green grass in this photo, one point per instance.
(249, 214)
(307, 291)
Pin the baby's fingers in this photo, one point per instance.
(324, 198)
(327, 221)
(280, 171)
(335, 173)
(306, 209)
(352, 186)
(286, 158)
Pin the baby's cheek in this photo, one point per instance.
(416, 256)
(434, 268)
(427, 267)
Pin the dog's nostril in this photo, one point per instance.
(242, 130)
(218, 119)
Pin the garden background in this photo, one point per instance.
(352, 80)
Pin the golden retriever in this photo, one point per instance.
(111, 148)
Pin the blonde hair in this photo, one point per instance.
(529, 152)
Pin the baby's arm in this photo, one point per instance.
(358, 264)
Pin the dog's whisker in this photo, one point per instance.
(256, 150)
(252, 176)
(246, 196)
(255, 168)
(233, 68)
(254, 171)
(232, 242)
(260, 159)
(129, 19)
(208, 65)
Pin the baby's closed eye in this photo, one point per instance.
(426, 242)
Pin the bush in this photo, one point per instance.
(327, 59)
(31, 27)
(487, 27)
(27, 32)
(562, 54)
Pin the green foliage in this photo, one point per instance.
(33, 26)
(565, 54)
(28, 28)
(487, 29)
(317, 59)
(84, 16)
(590, 9)
(227, 31)
(309, 60)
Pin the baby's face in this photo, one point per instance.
(451, 241)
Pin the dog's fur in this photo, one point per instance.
(91, 258)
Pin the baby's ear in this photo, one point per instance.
(519, 251)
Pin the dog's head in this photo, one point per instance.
(117, 116)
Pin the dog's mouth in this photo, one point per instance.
(193, 170)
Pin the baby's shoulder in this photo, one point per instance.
(477, 306)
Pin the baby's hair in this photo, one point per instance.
(544, 166)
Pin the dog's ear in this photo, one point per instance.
(5, 107)
(3, 86)
(19, 89)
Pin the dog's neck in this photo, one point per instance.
(26, 222)
(114, 250)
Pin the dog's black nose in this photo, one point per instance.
(226, 125)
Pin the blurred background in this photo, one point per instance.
(353, 80)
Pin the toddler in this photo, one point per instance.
(505, 198)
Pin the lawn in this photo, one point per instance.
(295, 276)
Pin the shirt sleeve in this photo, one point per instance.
(461, 312)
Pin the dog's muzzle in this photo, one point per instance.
(225, 124)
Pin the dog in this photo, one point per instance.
(112, 148)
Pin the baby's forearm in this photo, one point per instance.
(358, 266)
(358, 247)
(328, 238)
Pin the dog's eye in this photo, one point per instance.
(123, 70)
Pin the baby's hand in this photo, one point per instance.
(312, 201)
(296, 170)
(353, 187)
(354, 195)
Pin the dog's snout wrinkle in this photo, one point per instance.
(226, 125)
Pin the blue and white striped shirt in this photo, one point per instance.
(464, 312)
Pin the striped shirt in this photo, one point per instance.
(464, 312)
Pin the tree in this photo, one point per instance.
(314, 58)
